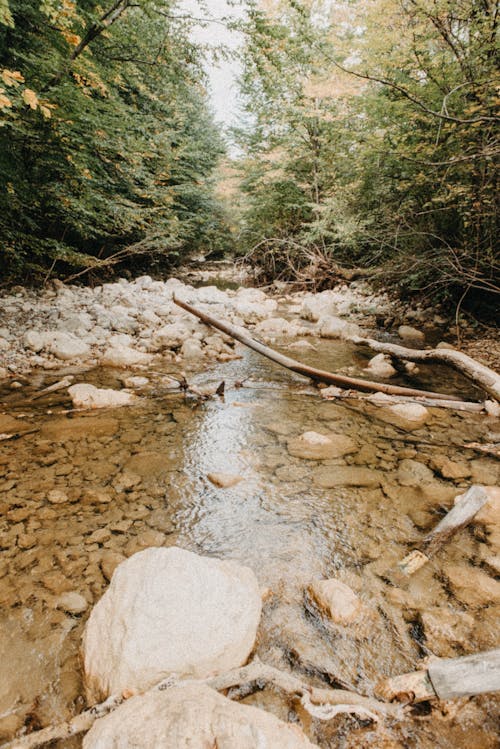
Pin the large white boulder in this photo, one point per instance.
(169, 611)
(85, 395)
(254, 312)
(192, 716)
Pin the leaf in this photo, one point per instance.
(45, 111)
(12, 77)
(5, 103)
(30, 98)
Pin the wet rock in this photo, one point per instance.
(135, 382)
(124, 356)
(380, 366)
(191, 349)
(450, 469)
(63, 429)
(336, 600)
(57, 497)
(126, 481)
(315, 446)
(170, 611)
(150, 464)
(329, 477)
(405, 415)
(412, 335)
(9, 425)
(71, 602)
(334, 327)
(413, 473)
(489, 514)
(447, 632)
(56, 582)
(66, 346)
(109, 562)
(224, 480)
(89, 396)
(192, 716)
(145, 540)
(471, 585)
(485, 471)
(96, 497)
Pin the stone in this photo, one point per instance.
(471, 585)
(485, 471)
(380, 366)
(334, 327)
(489, 514)
(96, 497)
(315, 446)
(224, 480)
(408, 416)
(254, 312)
(413, 473)
(336, 600)
(71, 602)
(450, 469)
(145, 540)
(276, 326)
(89, 396)
(124, 356)
(330, 477)
(57, 497)
(135, 382)
(109, 562)
(492, 408)
(34, 340)
(172, 335)
(167, 611)
(150, 464)
(66, 346)
(447, 632)
(412, 335)
(191, 349)
(192, 716)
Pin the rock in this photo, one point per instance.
(446, 631)
(169, 611)
(34, 340)
(254, 312)
(57, 497)
(413, 473)
(96, 497)
(485, 471)
(471, 585)
(109, 562)
(88, 396)
(408, 416)
(489, 514)
(124, 356)
(334, 327)
(380, 366)
(66, 346)
(172, 335)
(450, 469)
(336, 600)
(412, 335)
(192, 716)
(71, 602)
(224, 480)
(332, 476)
(277, 326)
(145, 540)
(492, 408)
(191, 349)
(315, 446)
(135, 382)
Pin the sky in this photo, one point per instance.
(223, 87)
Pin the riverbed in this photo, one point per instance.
(84, 490)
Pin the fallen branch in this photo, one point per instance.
(482, 376)
(456, 405)
(239, 334)
(17, 435)
(457, 518)
(324, 704)
(446, 679)
(64, 383)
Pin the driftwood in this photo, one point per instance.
(457, 518)
(456, 405)
(240, 334)
(446, 679)
(324, 704)
(482, 376)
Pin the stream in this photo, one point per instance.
(136, 476)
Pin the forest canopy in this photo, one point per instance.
(369, 139)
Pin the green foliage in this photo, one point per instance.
(106, 138)
(376, 143)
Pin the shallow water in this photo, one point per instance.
(152, 460)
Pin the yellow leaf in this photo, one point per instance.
(71, 38)
(12, 77)
(4, 101)
(30, 98)
(45, 111)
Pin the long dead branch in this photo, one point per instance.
(240, 334)
(482, 376)
(324, 704)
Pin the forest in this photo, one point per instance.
(364, 145)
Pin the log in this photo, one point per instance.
(240, 334)
(324, 704)
(446, 679)
(482, 376)
(455, 405)
(457, 518)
